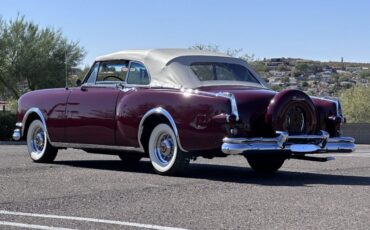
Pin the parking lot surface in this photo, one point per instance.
(88, 191)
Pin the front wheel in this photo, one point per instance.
(165, 155)
(265, 164)
(38, 145)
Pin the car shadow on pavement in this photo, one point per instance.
(227, 173)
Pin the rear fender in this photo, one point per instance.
(190, 113)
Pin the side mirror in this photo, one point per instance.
(78, 82)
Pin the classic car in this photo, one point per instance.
(174, 105)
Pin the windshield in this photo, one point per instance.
(216, 71)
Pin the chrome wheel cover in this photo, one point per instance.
(165, 148)
(38, 140)
(162, 148)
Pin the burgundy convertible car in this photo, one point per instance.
(174, 105)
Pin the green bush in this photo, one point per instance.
(7, 125)
(356, 105)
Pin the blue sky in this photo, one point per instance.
(315, 29)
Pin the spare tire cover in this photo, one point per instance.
(292, 111)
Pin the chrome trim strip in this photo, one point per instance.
(162, 111)
(227, 95)
(94, 146)
(26, 115)
(114, 83)
(233, 104)
(294, 144)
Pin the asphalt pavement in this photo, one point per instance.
(89, 191)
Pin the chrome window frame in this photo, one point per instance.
(114, 83)
(128, 74)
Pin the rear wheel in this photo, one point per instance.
(38, 145)
(265, 164)
(165, 155)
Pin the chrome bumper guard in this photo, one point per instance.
(17, 133)
(298, 144)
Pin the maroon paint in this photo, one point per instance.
(52, 103)
(91, 115)
(110, 116)
(182, 107)
(325, 109)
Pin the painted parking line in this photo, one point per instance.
(31, 226)
(103, 221)
(352, 155)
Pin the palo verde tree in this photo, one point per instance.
(34, 58)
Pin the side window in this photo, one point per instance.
(138, 75)
(112, 71)
(94, 72)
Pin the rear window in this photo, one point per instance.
(215, 71)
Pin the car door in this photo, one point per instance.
(137, 77)
(91, 108)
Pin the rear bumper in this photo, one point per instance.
(298, 144)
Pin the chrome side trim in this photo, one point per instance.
(320, 143)
(162, 111)
(230, 96)
(227, 95)
(94, 146)
(25, 117)
(233, 104)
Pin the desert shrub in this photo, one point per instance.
(356, 105)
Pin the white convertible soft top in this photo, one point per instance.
(171, 67)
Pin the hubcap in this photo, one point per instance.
(295, 121)
(38, 140)
(164, 148)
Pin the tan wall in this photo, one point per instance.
(360, 131)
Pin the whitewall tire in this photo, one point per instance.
(39, 148)
(164, 152)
